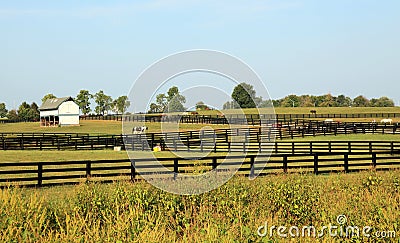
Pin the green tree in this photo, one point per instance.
(230, 105)
(360, 101)
(382, 102)
(175, 100)
(343, 101)
(306, 101)
(277, 103)
(244, 95)
(83, 101)
(176, 104)
(33, 113)
(161, 101)
(23, 111)
(154, 108)
(47, 97)
(291, 101)
(12, 115)
(266, 104)
(200, 106)
(171, 102)
(329, 101)
(258, 101)
(121, 104)
(103, 102)
(3, 110)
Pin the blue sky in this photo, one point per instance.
(346, 47)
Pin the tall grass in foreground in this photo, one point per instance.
(126, 212)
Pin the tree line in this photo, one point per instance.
(104, 104)
(244, 96)
(173, 101)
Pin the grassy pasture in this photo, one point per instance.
(54, 155)
(306, 110)
(114, 127)
(93, 127)
(139, 212)
(349, 137)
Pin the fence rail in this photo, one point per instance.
(254, 119)
(66, 172)
(253, 137)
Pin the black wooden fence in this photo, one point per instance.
(254, 119)
(65, 172)
(252, 138)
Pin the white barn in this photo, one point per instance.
(59, 111)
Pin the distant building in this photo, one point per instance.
(59, 111)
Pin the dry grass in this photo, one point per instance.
(93, 127)
(125, 212)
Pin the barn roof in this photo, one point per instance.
(53, 104)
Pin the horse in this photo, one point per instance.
(387, 120)
(139, 130)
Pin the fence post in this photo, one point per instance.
(391, 148)
(349, 147)
(152, 141)
(316, 164)
(40, 173)
(346, 162)
(176, 168)
(133, 170)
(285, 165)
(374, 160)
(214, 163)
(88, 169)
(311, 147)
(252, 160)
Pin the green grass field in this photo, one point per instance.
(115, 127)
(350, 137)
(139, 212)
(306, 110)
(93, 127)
